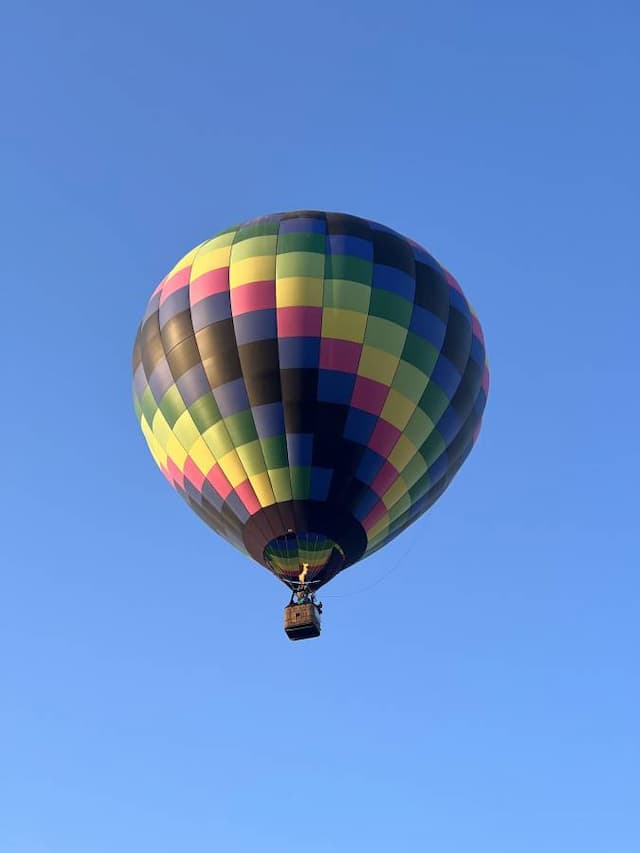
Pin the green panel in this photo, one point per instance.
(390, 306)
(254, 247)
(280, 483)
(415, 469)
(349, 267)
(421, 353)
(205, 412)
(433, 447)
(275, 451)
(420, 488)
(346, 294)
(434, 401)
(301, 242)
(419, 427)
(241, 428)
(300, 482)
(308, 264)
(137, 407)
(148, 404)
(259, 229)
(409, 381)
(172, 405)
(385, 335)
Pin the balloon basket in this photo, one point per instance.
(301, 621)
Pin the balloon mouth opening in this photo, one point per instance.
(304, 559)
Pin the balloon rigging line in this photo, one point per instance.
(383, 577)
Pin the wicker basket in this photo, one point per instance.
(301, 621)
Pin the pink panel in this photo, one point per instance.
(180, 279)
(369, 395)
(485, 379)
(253, 297)
(374, 516)
(340, 355)
(194, 474)
(299, 321)
(248, 497)
(219, 482)
(384, 438)
(386, 477)
(175, 473)
(214, 281)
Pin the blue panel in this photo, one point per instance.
(192, 492)
(237, 507)
(320, 483)
(446, 376)
(428, 326)
(210, 310)
(370, 466)
(176, 303)
(139, 381)
(449, 425)
(299, 352)
(210, 494)
(423, 257)
(343, 244)
(161, 380)
(335, 387)
(255, 326)
(394, 280)
(359, 426)
(269, 419)
(193, 384)
(458, 301)
(307, 225)
(152, 307)
(439, 468)
(299, 449)
(231, 398)
(367, 499)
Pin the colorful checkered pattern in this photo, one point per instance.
(310, 375)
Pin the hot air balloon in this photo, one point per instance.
(310, 383)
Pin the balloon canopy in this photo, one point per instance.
(310, 383)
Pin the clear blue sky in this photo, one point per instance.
(484, 697)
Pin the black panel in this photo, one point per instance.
(392, 251)
(259, 362)
(352, 226)
(183, 357)
(432, 291)
(457, 340)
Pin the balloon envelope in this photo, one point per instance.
(309, 383)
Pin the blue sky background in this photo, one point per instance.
(484, 696)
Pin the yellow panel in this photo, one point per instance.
(402, 453)
(233, 468)
(298, 290)
(394, 493)
(186, 430)
(262, 487)
(343, 325)
(378, 365)
(202, 455)
(210, 259)
(176, 452)
(253, 247)
(186, 261)
(154, 445)
(252, 269)
(281, 482)
(161, 428)
(218, 439)
(380, 527)
(397, 409)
